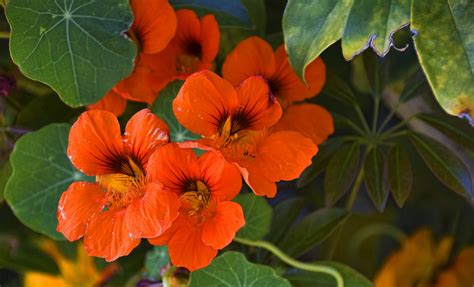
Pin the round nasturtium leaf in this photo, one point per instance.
(41, 172)
(258, 216)
(78, 47)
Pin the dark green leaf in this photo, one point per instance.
(449, 69)
(351, 277)
(228, 13)
(374, 178)
(454, 128)
(444, 164)
(163, 108)
(400, 175)
(77, 47)
(5, 173)
(413, 86)
(341, 172)
(155, 261)
(285, 213)
(233, 269)
(312, 230)
(41, 172)
(258, 216)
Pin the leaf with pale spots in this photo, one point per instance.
(41, 173)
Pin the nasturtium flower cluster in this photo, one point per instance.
(253, 124)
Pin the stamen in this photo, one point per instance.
(193, 201)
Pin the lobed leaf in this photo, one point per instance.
(258, 216)
(374, 178)
(400, 174)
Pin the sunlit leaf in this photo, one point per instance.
(374, 178)
(258, 216)
(400, 175)
(77, 47)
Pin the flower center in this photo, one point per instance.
(196, 197)
(122, 187)
(190, 59)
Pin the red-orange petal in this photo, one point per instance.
(144, 133)
(257, 104)
(252, 57)
(312, 121)
(107, 235)
(189, 27)
(256, 180)
(222, 178)
(153, 213)
(76, 206)
(164, 238)
(111, 102)
(210, 37)
(154, 24)
(186, 249)
(219, 230)
(288, 87)
(94, 141)
(203, 99)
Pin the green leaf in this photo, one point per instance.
(455, 129)
(351, 277)
(310, 27)
(444, 164)
(163, 108)
(450, 68)
(229, 13)
(5, 173)
(41, 172)
(258, 216)
(233, 269)
(374, 178)
(285, 213)
(77, 47)
(341, 172)
(155, 261)
(400, 175)
(312, 230)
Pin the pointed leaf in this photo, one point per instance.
(285, 213)
(233, 269)
(374, 178)
(400, 175)
(258, 216)
(444, 164)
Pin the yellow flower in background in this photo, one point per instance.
(420, 260)
(81, 272)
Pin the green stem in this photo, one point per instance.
(355, 189)
(396, 127)
(292, 262)
(4, 35)
(362, 118)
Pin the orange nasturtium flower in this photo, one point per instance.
(236, 122)
(124, 204)
(81, 272)
(208, 220)
(153, 27)
(255, 57)
(420, 260)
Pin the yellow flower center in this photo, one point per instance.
(196, 197)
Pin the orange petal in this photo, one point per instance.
(164, 238)
(189, 27)
(153, 213)
(284, 155)
(111, 102)
(219, 230)
(163, 68)
(222, 178)
(202, 102)
(186, 249)
(76, 206)
(173, 166)
(94, 142)
(312, 121)
(257, 104)
(286, 85)
(154, 24)
(252, 57)
(144, 133)
(107, 236)
(210, 37)
(256, 180)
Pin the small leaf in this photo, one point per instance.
(450, 69)
(229, 13)
(400, 175)
(374, 178)
(163, 108)
(41, 173)
(444, 164)
(258, 216)
(285, 213)
(75, 46)
(351, 277)
(312, 230)
(233, 269)
(456, 129)
(155, 261)
(341, 172)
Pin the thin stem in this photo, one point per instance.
(355, 189)
(375, 114)
(388, 118)
(292, 262)
(4, 35)
(397, 127)
(352, 125)
(362, 118)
